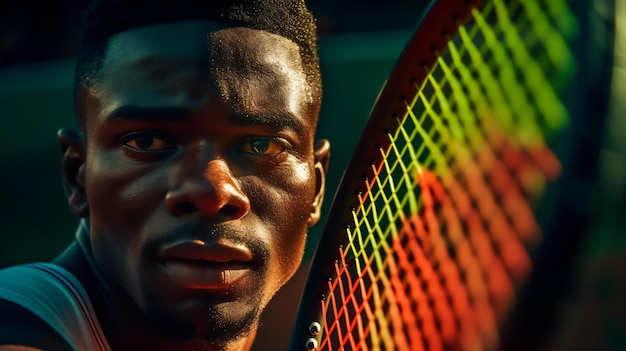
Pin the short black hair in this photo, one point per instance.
(105, 18)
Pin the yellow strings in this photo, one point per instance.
(479, 123)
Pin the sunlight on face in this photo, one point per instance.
(299, 89)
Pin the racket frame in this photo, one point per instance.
(437, 26)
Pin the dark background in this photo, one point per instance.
(359, 42)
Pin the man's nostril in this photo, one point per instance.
(232, 211)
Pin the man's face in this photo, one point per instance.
(201, 172)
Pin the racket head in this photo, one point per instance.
(560, 152)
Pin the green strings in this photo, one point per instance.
(480, 123)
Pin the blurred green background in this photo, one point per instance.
(359, 42)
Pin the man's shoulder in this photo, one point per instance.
(19, 326)
(43, 283)
(51, 303)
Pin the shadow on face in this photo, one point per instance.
(199, 172)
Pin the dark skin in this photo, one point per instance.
(199, 175)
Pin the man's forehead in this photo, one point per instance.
(188, 41)
(253, 71)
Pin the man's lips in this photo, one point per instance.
(199, 265)
(202, 251)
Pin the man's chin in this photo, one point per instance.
(217, 325)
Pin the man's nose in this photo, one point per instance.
(212, 192)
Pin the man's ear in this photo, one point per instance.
(322, 157)
(74, 151)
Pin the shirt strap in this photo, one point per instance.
(56, 296)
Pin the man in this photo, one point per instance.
(196, 176)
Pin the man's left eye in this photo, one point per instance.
(265, 147)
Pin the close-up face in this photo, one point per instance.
(201, 171)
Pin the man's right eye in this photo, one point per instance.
(147, 143)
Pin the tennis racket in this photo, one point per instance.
(456, 219)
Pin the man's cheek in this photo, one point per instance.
(302, 174)
(123, 192)
(280, 206)
(298, 179)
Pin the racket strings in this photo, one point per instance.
(439, 242)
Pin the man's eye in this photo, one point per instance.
(265, 147)
(147, 143)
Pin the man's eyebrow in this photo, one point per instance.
(140, 113)
(277, 120)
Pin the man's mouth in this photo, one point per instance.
(207, 266)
